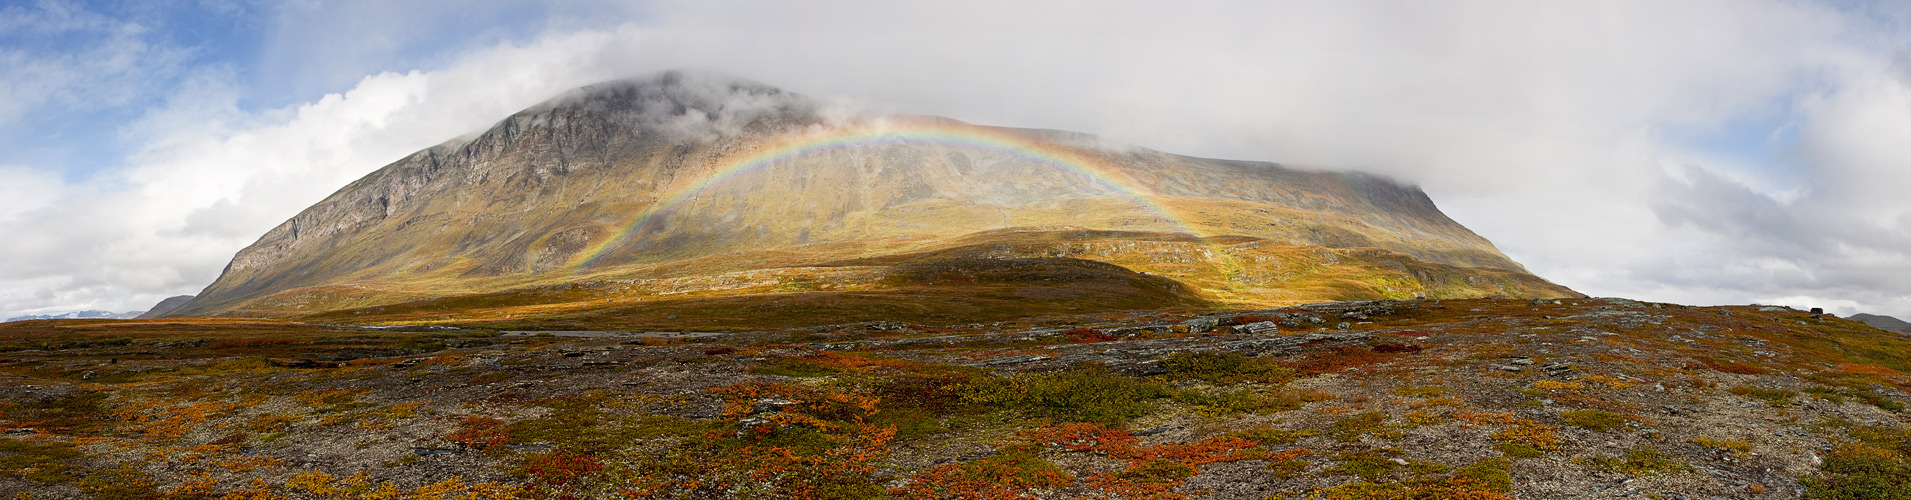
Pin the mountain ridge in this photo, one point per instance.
(613, 180)
(1882, 322)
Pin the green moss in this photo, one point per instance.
(579, 424)
(1775, 397)
(1089, 394)
(1875, 463)
(1595, 420)
(1157, 471)
(1018, 465)
(1519, 450)
(1641, 461)
(43, 462)
(793, 367)
(1826, 393)
(1490, 475)
(1371, 465)
(79, 413)
(62, 463)
(1225, 368)
(1349, 429)
(1838, 395)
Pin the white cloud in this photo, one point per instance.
(110, 63)
(1553, 128)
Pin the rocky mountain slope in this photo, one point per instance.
(693, 187)
(165, 306)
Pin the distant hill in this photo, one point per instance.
(89, 314)
(1885, 323)
(165, 306)
(708, 195)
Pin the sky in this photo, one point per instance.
(1696, 151)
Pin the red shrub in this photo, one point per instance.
(1732, 366)
(1391, 348)
(479, 433)
(1087, 335)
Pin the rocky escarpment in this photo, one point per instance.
(634, 178)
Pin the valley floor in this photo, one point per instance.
(1572, 398)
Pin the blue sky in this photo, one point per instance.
(1710, 151)
(273, 54)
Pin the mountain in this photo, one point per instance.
(637, 201)
(165, 306)
(87, 314)
(1885, 323)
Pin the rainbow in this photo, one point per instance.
(946, 133)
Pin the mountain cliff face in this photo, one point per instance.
(686, 185)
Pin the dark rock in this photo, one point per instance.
(886, 326)
(1258, 328)
(1202, 324)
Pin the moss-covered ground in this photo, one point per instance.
(1478, 398)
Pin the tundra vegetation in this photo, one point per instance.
(1473, 399)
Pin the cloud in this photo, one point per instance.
(1562, 131)
(1841, 237)
(104, 62)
